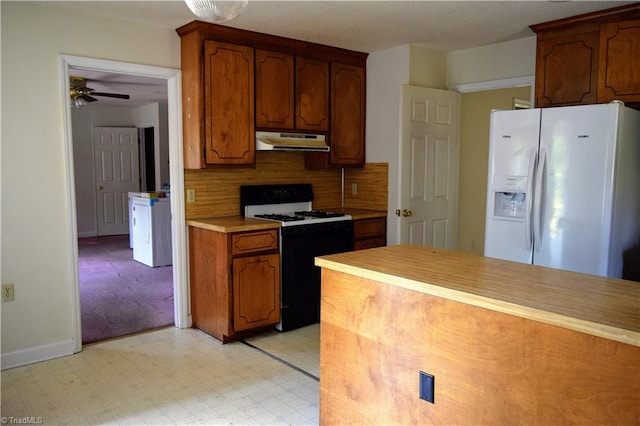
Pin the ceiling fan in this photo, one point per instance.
(81, 94)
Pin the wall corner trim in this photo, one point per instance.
(528, 80)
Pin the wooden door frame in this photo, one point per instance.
(176, 176)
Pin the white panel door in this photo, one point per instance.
(117, 173)
(577, 194)
(429, 167)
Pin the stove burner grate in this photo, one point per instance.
(280, 217)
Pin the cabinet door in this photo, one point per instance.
(274, 90)
(347, 115)
(312, 94)
(229, 104)
(566, 70)
(256, 291)
(619, 69)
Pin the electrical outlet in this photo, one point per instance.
(191, 195)
(7, 293)
(427, 387)
(354, 189)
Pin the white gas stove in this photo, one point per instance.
(304, 234)
(291, 205)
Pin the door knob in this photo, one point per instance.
(405, 213)
(100, 187)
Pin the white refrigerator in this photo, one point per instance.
(564, 187)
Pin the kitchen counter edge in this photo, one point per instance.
(598, 306)
(227, 224)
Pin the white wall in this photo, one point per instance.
(428, 67)
(387, 71)
(36, 251)
(511, 59)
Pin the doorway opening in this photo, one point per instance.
(172, 80)
(147, 160)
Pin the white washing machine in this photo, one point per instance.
(151, 223)
(130, 218)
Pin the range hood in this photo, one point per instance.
(274, 141)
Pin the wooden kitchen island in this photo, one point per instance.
(507, 343)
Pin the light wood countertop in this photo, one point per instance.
(228, 224)
(604, 307)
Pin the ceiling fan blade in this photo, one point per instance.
(88, 98)
(110, 95)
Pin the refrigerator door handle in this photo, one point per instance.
(537, 204)
(529, 197)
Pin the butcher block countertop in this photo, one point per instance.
(228, 224)
(603, 307)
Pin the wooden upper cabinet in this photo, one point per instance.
(312, 94)
(234, 81)
(565, 70)
(288, 98)
(619, 72)
(229, 104)
(346, 139)
(590, 58)
(274, 90)
(347, 114)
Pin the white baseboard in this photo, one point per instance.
(87, 234)
(37, 354)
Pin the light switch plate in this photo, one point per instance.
(427, 387)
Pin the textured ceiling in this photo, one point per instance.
(365, 26)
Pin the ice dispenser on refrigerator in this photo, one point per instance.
(509, 197)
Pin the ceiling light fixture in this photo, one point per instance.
(216, 11)
(76, 98)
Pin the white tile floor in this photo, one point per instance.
(171, 376)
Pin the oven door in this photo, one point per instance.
(300, 285)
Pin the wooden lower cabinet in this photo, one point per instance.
(369, 233)
(256, 291)
(234, 281)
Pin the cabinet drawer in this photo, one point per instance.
(368, 228)
(254, 242)
(369, 243)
